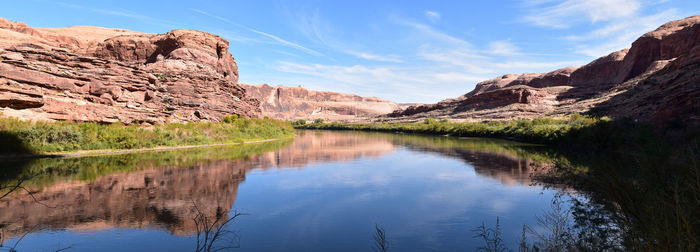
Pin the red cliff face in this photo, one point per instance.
(109, 75)
(293, 103)
(656, 79)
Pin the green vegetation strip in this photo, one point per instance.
(20, 136)
(46, 171)
(538, 130)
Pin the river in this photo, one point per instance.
(322, 191)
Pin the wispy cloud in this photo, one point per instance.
(432, 16)
(617, 23)
(562, 14)
(369, 56)
(503, 47)
(618, 35)
(398, 83)
(268, 35)
(442, 66)
(429, 32)
(124, 14)
(321, 32)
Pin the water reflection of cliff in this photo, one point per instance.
(159, 189)
(509, 162)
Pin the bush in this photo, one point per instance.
(230, 118)
(319, 120)
(299, 122)
(429, 120)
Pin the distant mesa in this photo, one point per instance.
(293, 103)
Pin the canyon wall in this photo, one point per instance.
(293, 103)
(108, 75)
(657, 79)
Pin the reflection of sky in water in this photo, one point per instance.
(424, 201)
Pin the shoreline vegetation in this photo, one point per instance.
(37, 138)
(542, 130)
(45, 171)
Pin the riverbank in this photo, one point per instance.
(86, 153)
(62, 138)
(539, 130)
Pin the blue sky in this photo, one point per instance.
(404, 51)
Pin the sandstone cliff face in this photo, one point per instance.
(656, 79)
(293, 103)
(109, 75)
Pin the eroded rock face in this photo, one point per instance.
(658, 76)
(293, 103)
(108, 75)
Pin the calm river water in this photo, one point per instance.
(322, 191)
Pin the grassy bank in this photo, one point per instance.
(538, 130)
(46, 171)
(20, 136)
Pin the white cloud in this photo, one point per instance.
(619, 35)
(368, 56)
(271, 36)
(125, 14)
(443, 76)
(563, 14)
(442, 66)
(429, 32)
(616, 23)
(321, 32)
(432, 16)
(502, 47)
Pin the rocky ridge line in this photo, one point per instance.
(292, 103)
(656, 79)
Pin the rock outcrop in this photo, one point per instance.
(657, 79)
(293, 103)
(109, 75)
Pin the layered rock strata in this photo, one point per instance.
(109, 75)
(657, 79)
(293, 103)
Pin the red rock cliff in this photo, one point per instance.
(656, 79)
(109, 75)
(293, 103)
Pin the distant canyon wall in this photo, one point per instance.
(293, 103)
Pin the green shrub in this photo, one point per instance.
(230, 118)
(429, 120)
(319, 120)
(299, 122)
